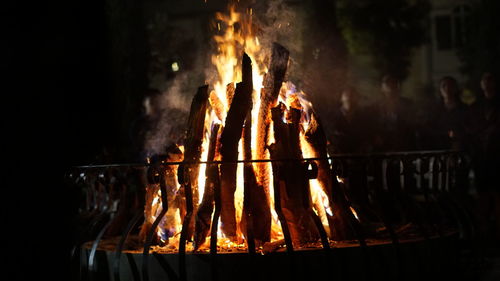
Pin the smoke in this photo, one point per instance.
(278, 22)
(317, 55)
(167, 116)
(174, 97)
(311, 68)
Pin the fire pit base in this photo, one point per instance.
(416, 259)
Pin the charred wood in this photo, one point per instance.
(230, 90)
(206, 207)
(217, 104)
(230, 137)
(268, 97)
(192, 153)
(256, 203)
(345, 225)
(316, 137)
(295, 196)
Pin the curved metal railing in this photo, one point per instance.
(394, 189)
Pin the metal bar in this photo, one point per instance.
(215, 224)
(334, 156)
(185, 226)
(91, 264)
(278, 208)
(147, 245)
(150, 236)
(375, 163)
(121, 243)
(317, 221)
(446, 176)
(440, 174)
(247, 200)
(353, 223)
(321, 229)
(340, 191)
(431, 219)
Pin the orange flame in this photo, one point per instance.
(237, 35)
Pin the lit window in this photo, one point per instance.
(451, 28)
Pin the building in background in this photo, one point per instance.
(180, 37)
(438, 57)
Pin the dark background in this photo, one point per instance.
(58, 109)
(54, 113)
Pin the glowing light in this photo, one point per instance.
(354, 213)
(175, 66)
(339, 179)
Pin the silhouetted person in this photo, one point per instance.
(484, 126)
(394, 115)
(349, 127)
(447, 125)
(351, 135)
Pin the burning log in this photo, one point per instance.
(231, 134)
(256, 202)
(315, 136)
(250, 186)
(230, 90)
(204, 214)
(192, 153)
(216, 103)
(268, 97)
(343, 218)
(295, 198)
(340, 221)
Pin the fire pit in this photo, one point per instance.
(254, 194)
(382, 223)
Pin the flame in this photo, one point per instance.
(294, 98)
(321, 204)
(203, 167)
(171, 223)
(339, 179)
(236, 35)
(235, 39)
(354, 213)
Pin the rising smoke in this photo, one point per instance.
(278, 21)
(167, 116)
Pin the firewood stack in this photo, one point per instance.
(292, 177)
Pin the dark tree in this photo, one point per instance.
(481, 49)
(325, 69)
(386, 30)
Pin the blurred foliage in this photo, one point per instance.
(386, 30)
(481, 50)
